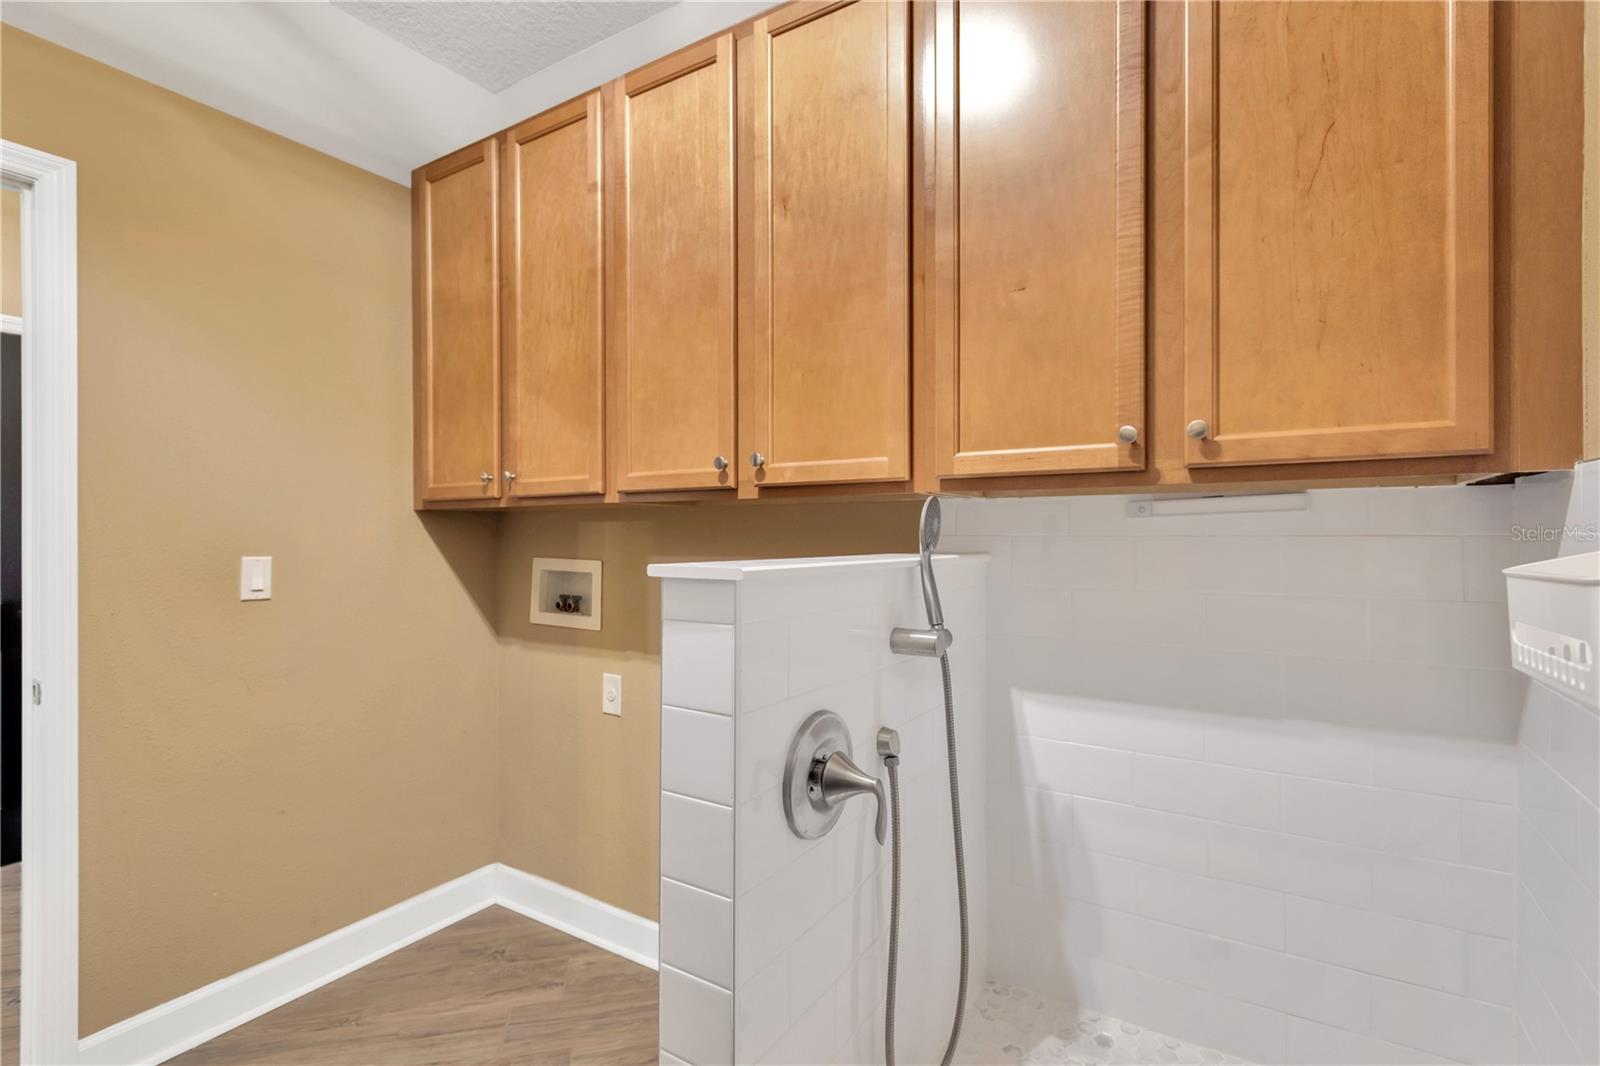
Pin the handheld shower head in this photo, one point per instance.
(928, 529)
(934, 640)
(927, 540)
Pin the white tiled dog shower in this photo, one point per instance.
(1256, 785)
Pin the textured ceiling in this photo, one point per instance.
(497, 44)
(313, 73)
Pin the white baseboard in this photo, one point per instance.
(176, 1026)
(612, 928)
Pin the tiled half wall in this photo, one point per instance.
(773, 948)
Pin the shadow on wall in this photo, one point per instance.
(468, 542)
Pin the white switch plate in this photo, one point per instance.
(611, 694)
(255, 577)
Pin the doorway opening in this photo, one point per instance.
(10, 620)
(39, 1008)
(11, 596)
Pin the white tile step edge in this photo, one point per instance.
(174, 1027)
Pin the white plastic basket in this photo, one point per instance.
(1555, 615)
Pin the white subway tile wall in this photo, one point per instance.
(697, 823)
(773, 948)
(1556, 984)
(696, 1018)
(697, 754)
(1256, 775)
(810, 939)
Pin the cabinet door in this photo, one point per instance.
(825, 353)
(1039, 217)
(455, 254)
(554, 328)
(1337, 231)
(672, 272)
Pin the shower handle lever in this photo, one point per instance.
(834, 779)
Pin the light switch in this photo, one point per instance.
(611, 694)
(255, 577)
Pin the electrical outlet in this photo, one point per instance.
(611, 694)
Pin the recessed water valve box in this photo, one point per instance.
(565, 592)
(1555, 624)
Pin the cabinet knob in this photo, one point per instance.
(486, 477)
(510, 476)
(757, 459)
(1198, 429)
(720, 463)
(1128, 434)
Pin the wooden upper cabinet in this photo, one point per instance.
(457, 326)
(1337, 231)
(671, 288)
(824, 328)
(553, 220)
(1204, 244)
(1038, 263)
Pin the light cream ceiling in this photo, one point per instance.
(496, 44)
(352, 85)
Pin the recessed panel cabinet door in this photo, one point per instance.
(457, 326)
(672, 271)
(1039, 268)
(825, 351)
(554, 328)
(1337, 231)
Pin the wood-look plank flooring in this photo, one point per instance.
(10, 961)
(494, 989)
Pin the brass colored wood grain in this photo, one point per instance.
(1344, 234)
(671, 279)
(456, 261)
(1338, 287)
(554, 344)
(1039, 159)
(824, 340)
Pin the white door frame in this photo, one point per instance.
(49, 678)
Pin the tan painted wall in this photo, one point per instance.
(1591, 230)
(10, 252)
(579, 790)
(253, 775)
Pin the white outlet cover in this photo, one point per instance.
(611, 694)
(255, 577)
